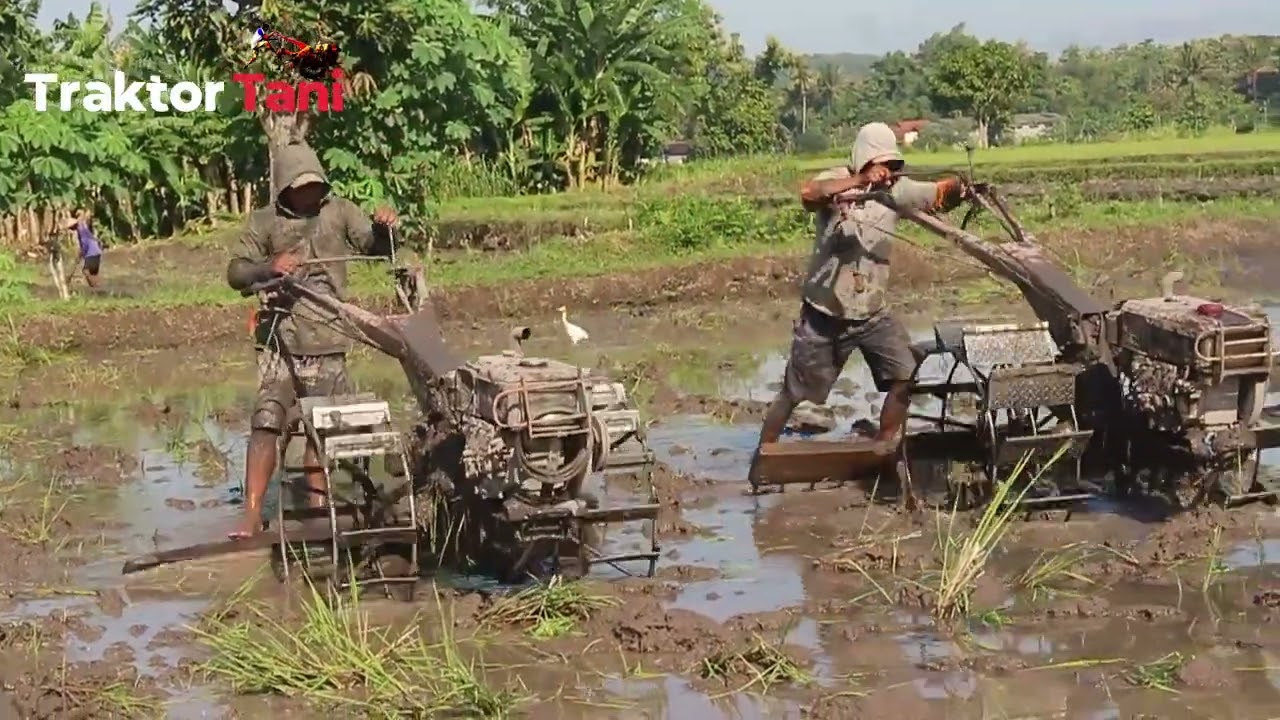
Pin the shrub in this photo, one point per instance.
(812, 142)
(697, 222)
(15, 279)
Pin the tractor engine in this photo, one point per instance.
(1194, 368)
(536, 428)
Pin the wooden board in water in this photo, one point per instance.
(810, 461)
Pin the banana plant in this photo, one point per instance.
(586, 55)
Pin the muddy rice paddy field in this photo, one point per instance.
(124, 432)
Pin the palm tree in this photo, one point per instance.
(828, 86)
(802, 83)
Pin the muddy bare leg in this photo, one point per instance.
(315, 476)
(775, 420)
(893, 415)
(893, 421)
(260, 465)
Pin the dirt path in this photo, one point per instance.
(1123, 253)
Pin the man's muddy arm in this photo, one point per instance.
(363, 236)
(250, 262)
(929, 197)
(818, 193)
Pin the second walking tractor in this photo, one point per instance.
(1159, 397)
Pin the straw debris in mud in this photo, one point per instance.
(1159, 674)
(548, 609)
(766, 665)
(1053, 570)
(871, 551)
(337, 660)
(34, 520)
(81, 692)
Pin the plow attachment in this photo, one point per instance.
(579, 528)
(300, 527)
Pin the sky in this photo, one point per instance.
(827, 26)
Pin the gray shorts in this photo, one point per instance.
(821, 345)
(317, 376)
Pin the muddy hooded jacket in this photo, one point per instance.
(339, 228)
(848, 274)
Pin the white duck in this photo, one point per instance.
(575, 333)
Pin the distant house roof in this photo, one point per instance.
(902, 127)
(678, 147)
(1260, 82)
(1023, 119)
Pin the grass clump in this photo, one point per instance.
(764, 663)
(1054, 568)
(964, 558)
(547, 610)
(124, 700)
(1159, 674)
(335, 658)
(34, 521)
(85, 697)
(17, 355)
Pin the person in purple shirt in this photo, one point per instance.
(90, 248)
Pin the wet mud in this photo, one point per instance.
(820, 603)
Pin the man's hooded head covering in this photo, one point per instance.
(875, 143)
(297, 165)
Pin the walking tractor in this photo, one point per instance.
(1158, 396)
(491, 477)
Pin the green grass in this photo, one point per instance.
(1221, 140)
(625, 251)
(1220, 153)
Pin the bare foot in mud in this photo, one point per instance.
(864, 428)
(249, 527)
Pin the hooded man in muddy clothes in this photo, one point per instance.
(844, 303)
(305, 223)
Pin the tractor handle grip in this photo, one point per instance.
(264, 286)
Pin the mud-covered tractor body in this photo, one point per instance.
(1194, 376)
(492, 474)
(537, 427)
(1159, 395)
(515, 440)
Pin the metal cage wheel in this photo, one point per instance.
(393, 560)
(945, 403)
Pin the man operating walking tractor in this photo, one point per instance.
(299, 353)
(843, 300)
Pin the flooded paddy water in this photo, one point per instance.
(798, 604)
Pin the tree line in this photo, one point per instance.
(444, 100)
